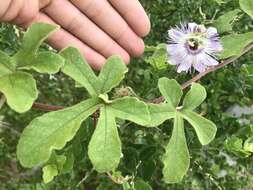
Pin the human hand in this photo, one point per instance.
(99, 28)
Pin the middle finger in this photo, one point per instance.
(68, 16)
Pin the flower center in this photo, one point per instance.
(194, 43)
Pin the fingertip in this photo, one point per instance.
(144, 28)
(138, 48)
(126, 58)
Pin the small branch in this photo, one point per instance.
(45, 107)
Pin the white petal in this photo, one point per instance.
(184, 67)
(192, 26)
(176, 35)
(200, 67)
(211, 31)
(210, 61)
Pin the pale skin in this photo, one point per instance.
(98, 28)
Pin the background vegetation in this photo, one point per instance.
(224, 164)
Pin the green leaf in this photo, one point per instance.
(141, 185)
(235, 145)
(105, 98)
(132, 109)
(112, 73)
(205, 129)
(6, 64)
(105, 147)
(247, 7)
(225, 22)
(160, 113)
(49, 172)
(171, 91)
(32, 40)
(69, 164)
(77, 68)
(176, 159)
(57, 160)
(51, 132)
(222, 1)
(20, 90)
(194, 97)
(159, 59)
(248, 145)
(46, 62)
(126, 186)
(234, 44)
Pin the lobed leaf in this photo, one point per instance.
(176, 159)
(51, 132)
(6, 64)
(105, 146)
(159, 113)
(33, 38)
(132, 109)
(171, 91)
(225, 22)
(234, 44)
(194, 97)
(49, 173)
(20, 90)
(112, 74)
(46, 62)
(141, 185)
(159, 58)
(247, 7)
(205, 129)
(77, 68)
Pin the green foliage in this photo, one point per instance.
(224, 164)
(19, 87)
(105, 145)
(247, 7)
(176, 159)
(234, 44)
(159, 58)
(177, 150)
(225, 22)
(51, 132)
(49, 172)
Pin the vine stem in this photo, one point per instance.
(45, 107)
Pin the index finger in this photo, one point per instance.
(134, 14)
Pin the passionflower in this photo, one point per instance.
(193, 45)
